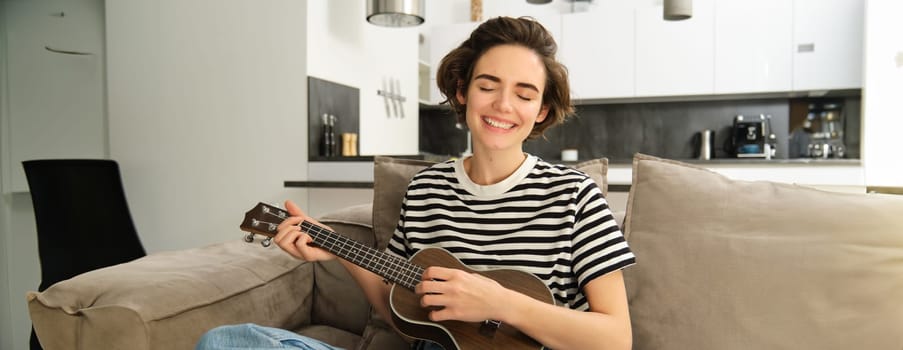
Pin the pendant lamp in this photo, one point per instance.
(676, 10)
(395, 13)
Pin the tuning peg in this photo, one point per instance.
(249, 238)
(266, 242)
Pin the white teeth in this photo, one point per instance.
(498, 124)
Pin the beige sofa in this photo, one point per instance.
(722, 264)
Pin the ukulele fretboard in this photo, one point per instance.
(390, 267)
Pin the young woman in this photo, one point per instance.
(499, 208)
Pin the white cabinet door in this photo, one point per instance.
(753, 48)
(674, 57)
(598, 49)
(442, 40)
(827, 44)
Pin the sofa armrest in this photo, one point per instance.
(168, 300)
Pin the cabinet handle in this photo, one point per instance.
(808, 47)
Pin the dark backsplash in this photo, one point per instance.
(664, 129)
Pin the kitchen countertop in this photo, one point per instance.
(357, 158)
(822, 172)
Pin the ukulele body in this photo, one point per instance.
(412, 319)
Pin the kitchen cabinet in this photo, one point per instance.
(674, 57)
(618, 49)
(597, 47)
(827, 44)
(753, 48)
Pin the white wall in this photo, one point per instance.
(207, 112)
(6, 319)
(882, 116)
(57, 100)
(6, 334)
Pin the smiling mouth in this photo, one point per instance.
(497, 123)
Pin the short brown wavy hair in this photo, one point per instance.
(456, 68)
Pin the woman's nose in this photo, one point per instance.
(503, 102)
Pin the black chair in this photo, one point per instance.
(82, 218)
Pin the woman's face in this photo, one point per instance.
(504, 98)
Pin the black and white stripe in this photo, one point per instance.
(549, 220)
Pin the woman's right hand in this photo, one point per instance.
(296, 242)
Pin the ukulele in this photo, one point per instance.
(410, 317)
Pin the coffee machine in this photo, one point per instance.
(752, 137)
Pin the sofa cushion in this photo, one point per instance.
(392, 175)
(168, 300)
(597, 169)
(390, 181)
(725, 264)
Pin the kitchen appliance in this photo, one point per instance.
(752, 137)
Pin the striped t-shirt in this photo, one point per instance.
(548, 220)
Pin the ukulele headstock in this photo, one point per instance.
(262, 220)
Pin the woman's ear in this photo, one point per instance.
(543, 113)
(459, 94)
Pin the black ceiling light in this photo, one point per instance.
(395, 13)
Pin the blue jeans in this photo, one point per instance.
(250, 336)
